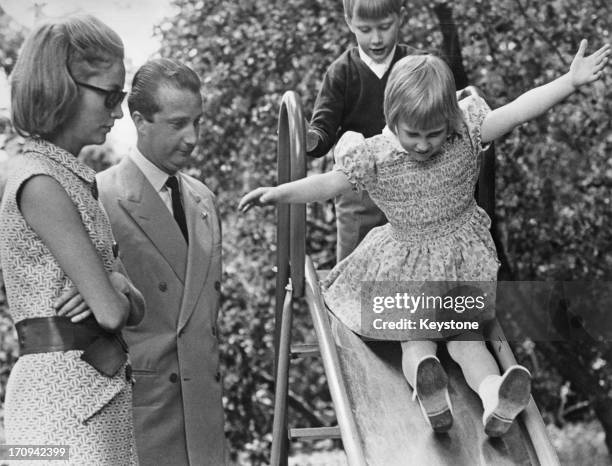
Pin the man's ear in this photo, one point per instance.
(139, 121)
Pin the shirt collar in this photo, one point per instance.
(60, 156)
(379, 69)
(153, 174)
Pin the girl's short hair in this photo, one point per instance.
(43, 89)
(372, 9)
(154, 74)
(421, 92)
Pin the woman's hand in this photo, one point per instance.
(120, 282)
(71, 304)
(584, 70)
(259, 196)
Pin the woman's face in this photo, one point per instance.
(93, 120)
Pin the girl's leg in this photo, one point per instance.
(429, 381)
(412, 353)
(475, 361)
(503, 397)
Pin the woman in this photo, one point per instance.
(72, 384)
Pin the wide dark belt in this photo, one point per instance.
(104, 351)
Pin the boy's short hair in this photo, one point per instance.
(421, 92)
(43, 89)
(372, 9)
(154, 74)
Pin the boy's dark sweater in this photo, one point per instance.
(350, 99)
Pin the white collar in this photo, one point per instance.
(379, 69)
(156, 176)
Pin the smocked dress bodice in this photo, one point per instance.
(436, 231)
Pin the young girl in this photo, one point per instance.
(421, 171)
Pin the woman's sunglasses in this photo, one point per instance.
(111, 97)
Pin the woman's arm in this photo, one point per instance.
(51, 214)
(535, 102)
(310, 189)
(71, 304)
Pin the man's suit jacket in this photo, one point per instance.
(178, 413)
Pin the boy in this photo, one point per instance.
(351, 99)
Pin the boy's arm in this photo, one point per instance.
(535, 102)
(327, 113)
(310, 189)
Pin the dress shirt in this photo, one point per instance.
(155, 176)
(379, 69)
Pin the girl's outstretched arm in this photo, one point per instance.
(533, 103)
(310, 189)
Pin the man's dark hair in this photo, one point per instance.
(155, 74)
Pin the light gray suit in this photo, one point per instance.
(178, 414)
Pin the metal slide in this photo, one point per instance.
(386, 427)
(378, 421)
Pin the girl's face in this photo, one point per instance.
(421, 144)
(376, 37)
(93, 119)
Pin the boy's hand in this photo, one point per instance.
(584, 70)
(259, 196)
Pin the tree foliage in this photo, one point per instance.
(11, 37)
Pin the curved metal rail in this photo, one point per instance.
(290, 254)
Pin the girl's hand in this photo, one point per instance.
(71, 304)
(259, 196)
(584, 70)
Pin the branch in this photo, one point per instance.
(296, 402)
(540, 33)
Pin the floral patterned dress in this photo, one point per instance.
(436, 231)
(56, 398)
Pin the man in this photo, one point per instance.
(169, 238)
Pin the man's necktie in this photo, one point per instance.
(177, 205)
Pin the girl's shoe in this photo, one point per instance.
(507, 400)
(432, 392)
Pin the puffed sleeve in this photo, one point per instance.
(475, 109)
(355, 159)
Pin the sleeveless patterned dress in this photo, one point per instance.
(56, 398)
(436, 231)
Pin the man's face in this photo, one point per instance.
(376, 37)
(169, 139)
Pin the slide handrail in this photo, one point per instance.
(291, 157)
